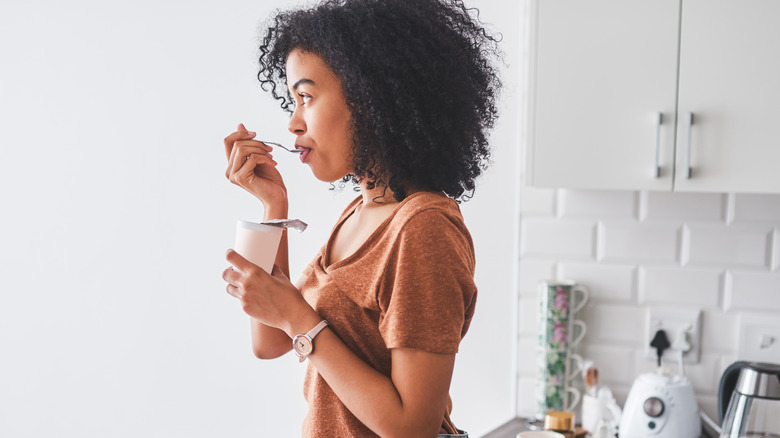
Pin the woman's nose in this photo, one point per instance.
(296, 125)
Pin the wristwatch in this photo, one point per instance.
(304, 344)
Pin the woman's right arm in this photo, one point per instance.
(251, 167)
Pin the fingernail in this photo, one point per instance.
(251, 133)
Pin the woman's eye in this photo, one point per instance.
(305, 98)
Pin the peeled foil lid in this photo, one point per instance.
(295, 224)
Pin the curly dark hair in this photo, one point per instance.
(418, 79)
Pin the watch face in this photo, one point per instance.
(303, 346)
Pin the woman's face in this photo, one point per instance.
(321, 120)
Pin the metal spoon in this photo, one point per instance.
(294, 151)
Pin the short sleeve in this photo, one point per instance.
(429, 295)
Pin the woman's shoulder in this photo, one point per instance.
(427, 201)
(424, 209)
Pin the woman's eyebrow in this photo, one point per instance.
(301, 81)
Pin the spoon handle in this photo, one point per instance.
(294, 151)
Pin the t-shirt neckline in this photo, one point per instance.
(327, 265)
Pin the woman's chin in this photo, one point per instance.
(327, 177)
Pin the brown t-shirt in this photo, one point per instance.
(411, 285)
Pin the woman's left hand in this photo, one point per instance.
(270, 299)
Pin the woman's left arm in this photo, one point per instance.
(411, 403)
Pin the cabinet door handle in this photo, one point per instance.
(658, 121)
(689, 120)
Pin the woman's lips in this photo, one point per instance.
(305, 152)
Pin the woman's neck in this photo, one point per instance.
(379, 195)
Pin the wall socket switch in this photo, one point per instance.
(759, 337)
(674, 322)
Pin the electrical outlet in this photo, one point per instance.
(674, 322)
(759, 337)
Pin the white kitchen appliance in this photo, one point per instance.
(660, 405)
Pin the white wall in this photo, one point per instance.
(116, 216)
(717, 253)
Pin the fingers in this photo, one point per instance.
(240, 134)
(233, 291)
(231, 276)
(242, 150)
(233, 279)
(246, 176)
(244, 266)
(245, 150)
(238, 261)
(238, 275)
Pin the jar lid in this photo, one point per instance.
(559, 420)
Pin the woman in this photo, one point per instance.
(397, 96)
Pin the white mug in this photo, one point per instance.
(539, 434)
(599, 410)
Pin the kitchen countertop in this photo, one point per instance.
(511, 428)
(516, 425)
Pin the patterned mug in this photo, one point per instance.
(556, 369)
(558, 301)
(561, 296)
(553, 398)
(557, 334)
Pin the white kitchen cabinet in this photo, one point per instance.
(602, 71)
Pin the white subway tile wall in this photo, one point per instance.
(757, 208)
(776, 250)
(607, 283)
(531, 272)
(582, 203)
(552, 238)
(614, 324)
(729, 245)
(747, 291)
(680, 286)
(539, 202)
(670, 206)
(718, 334)
(718, 253)
(639, 242)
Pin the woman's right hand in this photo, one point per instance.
(251, 167)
